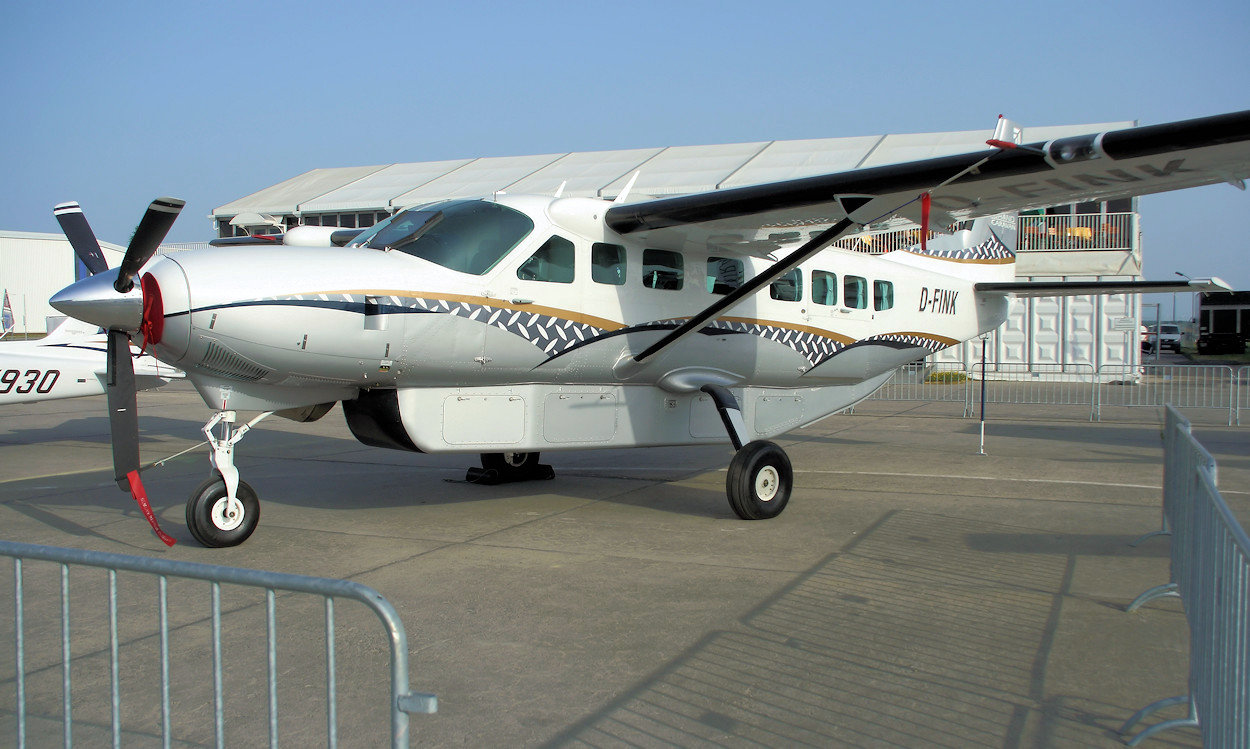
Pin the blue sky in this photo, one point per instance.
(112, 104)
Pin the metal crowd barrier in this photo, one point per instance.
(1154, 385)
(923, 381)
(1211, 573)
(1036, 384)
(1210, 387)
(26, 606)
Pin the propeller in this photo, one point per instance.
(80, 236)
(87, 295)
(147, 237)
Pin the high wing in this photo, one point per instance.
(1099, 166)
(813, 212)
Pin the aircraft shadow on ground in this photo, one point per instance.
(926, 630)
(351, 477)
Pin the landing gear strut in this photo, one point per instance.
(760, 477)
(223, 511)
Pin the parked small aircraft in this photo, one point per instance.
(516, 324)
(70, 361)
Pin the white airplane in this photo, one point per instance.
(70, 362)
(517, 324)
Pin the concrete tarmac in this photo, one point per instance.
(913, 593)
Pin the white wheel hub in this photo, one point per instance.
(767, 482)
(227, 514)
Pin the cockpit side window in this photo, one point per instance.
(607, 263)
(469, 236)
(553, 262)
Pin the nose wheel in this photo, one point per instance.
(217, 519)
(223, 511)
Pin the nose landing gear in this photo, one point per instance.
(223, 511)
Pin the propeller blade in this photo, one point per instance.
(123, 407)
(148, 236)
(80, 236)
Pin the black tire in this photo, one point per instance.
(759, 481)
(511, 466)
(219, 532)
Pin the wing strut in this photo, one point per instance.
(778, 269)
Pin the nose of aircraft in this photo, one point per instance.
(94, 300)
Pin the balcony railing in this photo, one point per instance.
(1093, 231)
(1081, 231)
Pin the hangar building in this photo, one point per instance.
(1086, 241)
(33, 267)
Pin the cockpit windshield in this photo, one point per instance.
(469, 236)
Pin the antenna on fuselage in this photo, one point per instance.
(560, 189)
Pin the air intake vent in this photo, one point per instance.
(222, 361)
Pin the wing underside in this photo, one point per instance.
(1099, 166)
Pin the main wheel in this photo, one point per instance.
(210, 519)
(759, 481)
(510, 466)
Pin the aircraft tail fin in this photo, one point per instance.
(69, 329)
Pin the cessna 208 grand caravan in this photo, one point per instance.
(517, 324)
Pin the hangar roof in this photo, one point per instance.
(674, 170)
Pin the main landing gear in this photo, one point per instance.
(504, 468)
(223, 511)
(760, 476)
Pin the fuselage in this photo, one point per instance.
(524, 290)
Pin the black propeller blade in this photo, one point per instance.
(148, 236)
(123, 407)
(80, 236)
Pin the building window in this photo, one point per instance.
(724, 274)
(607, 263)
(662, 269)
(824, 287)
(788, 288)
(553, 262)
(347, 221)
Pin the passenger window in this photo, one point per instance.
(824, 287)
(553, 262)
(724, 274)
(788, 288)
(662, 269)
(607, 263)
(882, 295)
(855, 292)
